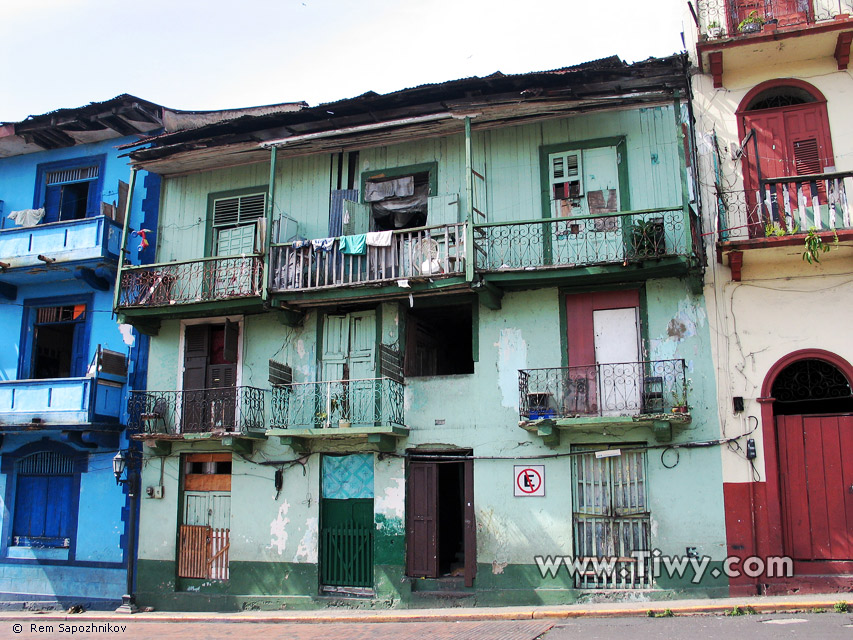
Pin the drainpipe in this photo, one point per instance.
(268, 239)
(469, 208)
(123, 248)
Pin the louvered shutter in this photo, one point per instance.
(196, 341)
(232, 335)
(806, 157)
(566, 168)
(362, 345)
(356, 218)
(336, 210)
(234, 223)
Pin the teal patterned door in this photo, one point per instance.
(346, 522)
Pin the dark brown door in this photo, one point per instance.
(422, 529)
(816, 478)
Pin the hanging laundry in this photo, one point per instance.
(354, 245)
(323, 244)
(399, 188)
(27, 217)
(379, 239)
(298, 244)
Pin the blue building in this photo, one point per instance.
(65, 361)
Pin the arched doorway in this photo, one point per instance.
(791, 137)
(813, 416)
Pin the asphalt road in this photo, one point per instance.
(826, 626)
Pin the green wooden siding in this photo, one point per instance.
(508, 158)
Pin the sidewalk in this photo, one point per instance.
(760, 604)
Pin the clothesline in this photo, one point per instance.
(352, 245)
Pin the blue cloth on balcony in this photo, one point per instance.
(323, 244)
(354, 245)
(298, 244)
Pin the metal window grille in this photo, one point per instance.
(46, 463)
(71, 175)
(611, 518)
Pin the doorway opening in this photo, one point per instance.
(439, 341)
(441, 539)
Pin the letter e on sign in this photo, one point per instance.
(529, 480)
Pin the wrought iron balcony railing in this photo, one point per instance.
(581, 241)
(724, 18)
(234, 409)
(787, 205)
(621, 389)
(338, 403)
(188, 281)
(413, 253)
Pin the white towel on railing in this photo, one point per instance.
(27, 217)
(379, 239)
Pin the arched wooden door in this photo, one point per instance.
(814, 436)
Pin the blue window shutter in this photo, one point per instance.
(52, 197)
(58, 499)
(93, 205)
(30, 506)
(78, 351)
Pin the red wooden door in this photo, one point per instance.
(816, 481)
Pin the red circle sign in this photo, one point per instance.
(529, 480)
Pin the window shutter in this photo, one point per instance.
(356, 218)
(566, 168)
(443, 209)
(232, 335)
(239, 210)
(196, 340)
(806, 157)
(335, 346)
(52, 198)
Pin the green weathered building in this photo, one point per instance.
(410, 415)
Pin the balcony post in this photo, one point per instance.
(123, 247)
(268, 234)
(685, 192)
(469, 205)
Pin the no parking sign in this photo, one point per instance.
(529, 480)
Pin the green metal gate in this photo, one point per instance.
(347, 556)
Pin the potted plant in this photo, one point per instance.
(648, 238)
(679, 398)
(752, 23)
(715, 30)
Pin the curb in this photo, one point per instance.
(377, 618)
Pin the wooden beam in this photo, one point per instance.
(239, 445)
(490, 295)
(715, 60)
(8, 291)
(158, 447)
(299, 445)
(550, 435)
(383, 442)
(736, 264)
(89, 276)
(291, 317)
(663, 430)
(842, 49)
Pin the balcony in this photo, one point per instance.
(416, 255)
(235, 416)
(725, 25)
(661, 239)
(781, 212)
(59, 403)
(309, 416)
(604, 398)
(168, 287)
(59, 250)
